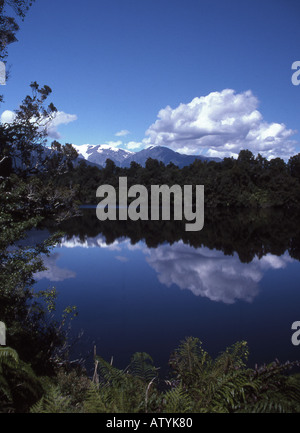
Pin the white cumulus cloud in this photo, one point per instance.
(113, 143)
(7, 116)
(60, 118)
(122, 133)
(220, 124)
(133, 145)
(51, 125)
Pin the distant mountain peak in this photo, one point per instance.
(99, 153)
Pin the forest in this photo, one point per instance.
(244, 182)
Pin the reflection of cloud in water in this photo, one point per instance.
(53, 272)
(207, 273)
(211, 274)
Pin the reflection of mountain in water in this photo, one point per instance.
(248, 234)
(224, 262)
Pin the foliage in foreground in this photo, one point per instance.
(36, 341)
(197, 383)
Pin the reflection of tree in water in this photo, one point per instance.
(248, 233)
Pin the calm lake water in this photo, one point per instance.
(145, 287)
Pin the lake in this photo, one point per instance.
(145, 286)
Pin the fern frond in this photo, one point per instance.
(8, 356)
(177, 400)
(233, 358)
(107, 372)
(53, 402)
(5, 391)
(120, 390)
(190, 361)
(142, 367)
(94, 402)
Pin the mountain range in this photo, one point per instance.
(99, 153)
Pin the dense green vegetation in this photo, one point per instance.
(247, 181)
(36, 343)
(197, 383)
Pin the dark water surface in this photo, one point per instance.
(146, 286)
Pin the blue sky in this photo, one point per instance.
(200, 76)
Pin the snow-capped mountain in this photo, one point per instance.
(98, 154)
(165, 155)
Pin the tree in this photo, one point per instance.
(23, 141)
(109, 170)
(27, 197)
(245, 157)
(8, 24)
(294, 166)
